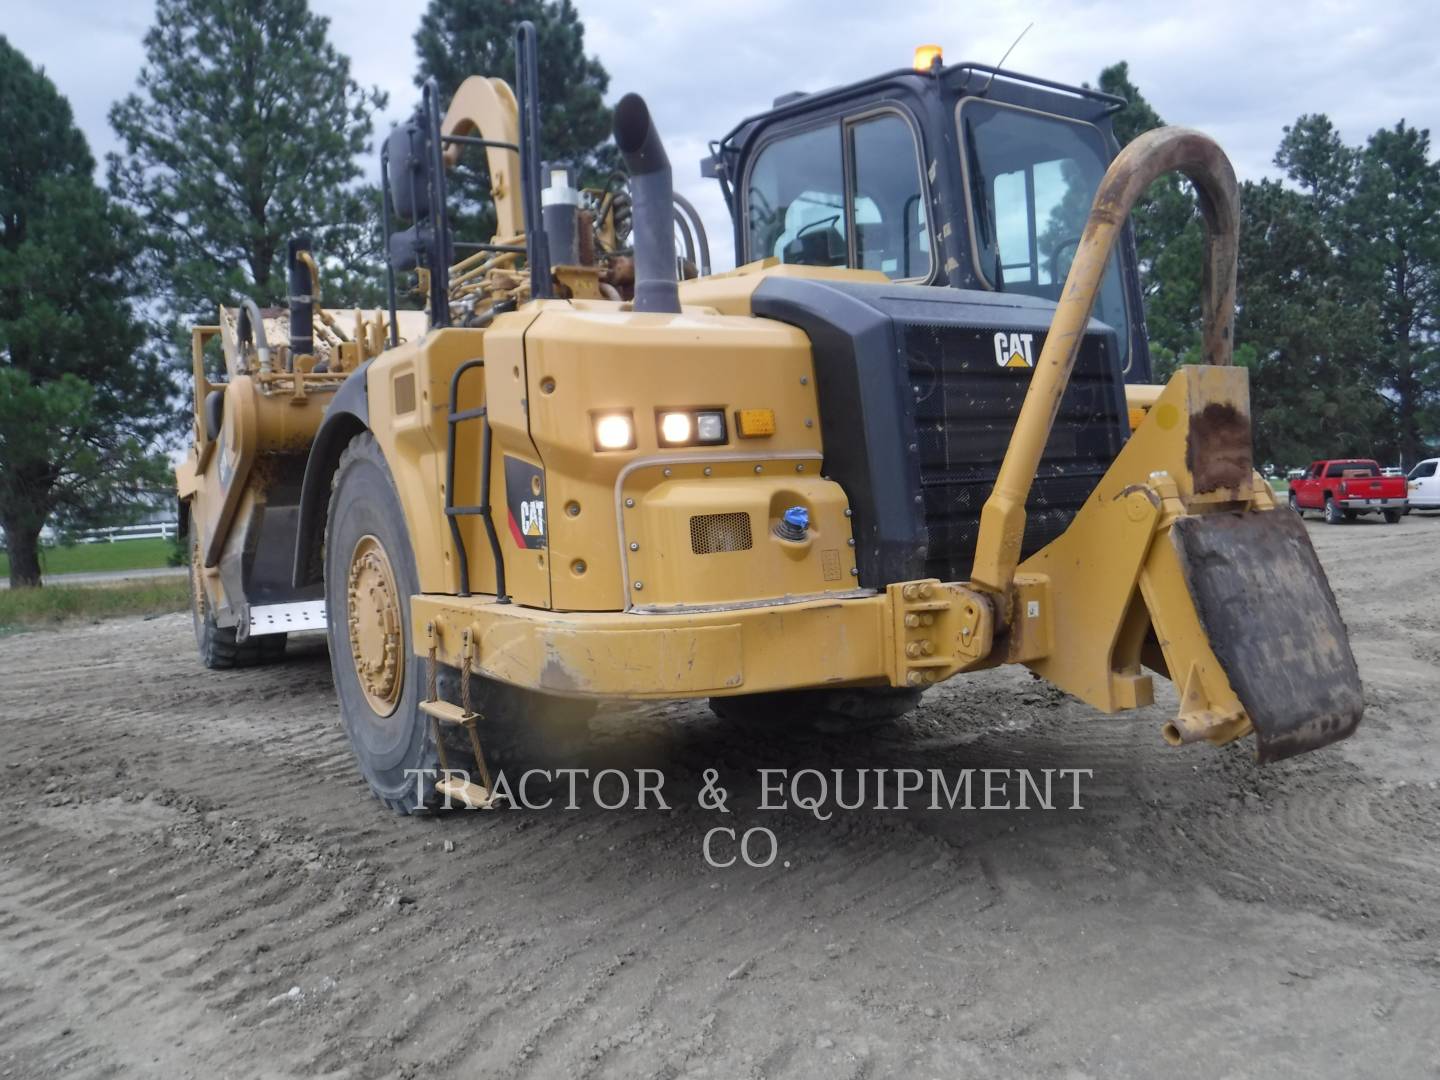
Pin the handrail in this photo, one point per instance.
(1152, 155)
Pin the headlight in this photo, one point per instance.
(675, 427)
(710, 427)
(700, 428)
(614, 431)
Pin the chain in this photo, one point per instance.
(465, 673)
(431, 691)
(471, 717)
(431, 694)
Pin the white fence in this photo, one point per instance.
(156, 530)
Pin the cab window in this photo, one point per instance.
(796, 199)
(1353, 468)
(1031, 179)
(1423, 470)
(888, 205)
(845, 194)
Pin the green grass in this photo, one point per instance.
(97, 558)
(56, 604)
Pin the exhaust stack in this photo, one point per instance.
(653, 196)
(302, 300)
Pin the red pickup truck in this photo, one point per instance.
(1343, 488)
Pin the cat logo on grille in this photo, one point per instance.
(1014, 350)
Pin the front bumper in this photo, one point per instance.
(914, 634)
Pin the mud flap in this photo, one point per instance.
(1273, 625)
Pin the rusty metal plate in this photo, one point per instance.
(1272, 621)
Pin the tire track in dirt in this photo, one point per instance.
(249, 860)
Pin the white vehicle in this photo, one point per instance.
(1425, 485)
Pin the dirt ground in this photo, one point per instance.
(195, 883)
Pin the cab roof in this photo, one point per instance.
(1081, 102)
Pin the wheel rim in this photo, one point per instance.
(376, 645)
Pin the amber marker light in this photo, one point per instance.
(927, 56)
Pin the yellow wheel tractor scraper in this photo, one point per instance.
(912, 436)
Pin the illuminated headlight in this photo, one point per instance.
(614, 431)
(703, 428)
(675, 427)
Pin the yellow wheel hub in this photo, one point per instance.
(376, 644)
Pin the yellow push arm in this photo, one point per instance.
(1171, 149)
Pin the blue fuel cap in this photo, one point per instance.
(792, 524)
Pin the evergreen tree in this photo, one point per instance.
(1301, 334)
(80, 398)
(244, 131)
(1396, 219)
(460, 38)
(1378, 208)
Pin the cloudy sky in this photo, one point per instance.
(1238, 69)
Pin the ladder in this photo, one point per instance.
(455, 417)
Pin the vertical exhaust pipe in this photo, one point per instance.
(302, 300)
(653, 197)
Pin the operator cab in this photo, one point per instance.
(968, 176)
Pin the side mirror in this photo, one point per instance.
(416, 189)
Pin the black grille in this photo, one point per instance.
(916, 414)
(965, 410)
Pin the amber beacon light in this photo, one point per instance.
(928, 56)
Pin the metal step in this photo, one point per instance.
(444, 711)
(287, 618)
(471, 796)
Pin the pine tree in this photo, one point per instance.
(1395, 214)
(1378, 208)
(244, 131)
(1302, 335)
(81, 399)
(460, 38)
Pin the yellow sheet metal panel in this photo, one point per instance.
(527, 569)
(692, 538)
(414, 443)
(230, 466)
(412, 449)
(729, 292)
(582, 362)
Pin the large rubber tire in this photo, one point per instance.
(831, 712)
(219, 651)
(1392, 517)
(1295, 505)
(1333, 514)
(396, 751)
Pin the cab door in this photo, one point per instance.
(1424, 485)
(1307, 488)
(846, 191)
